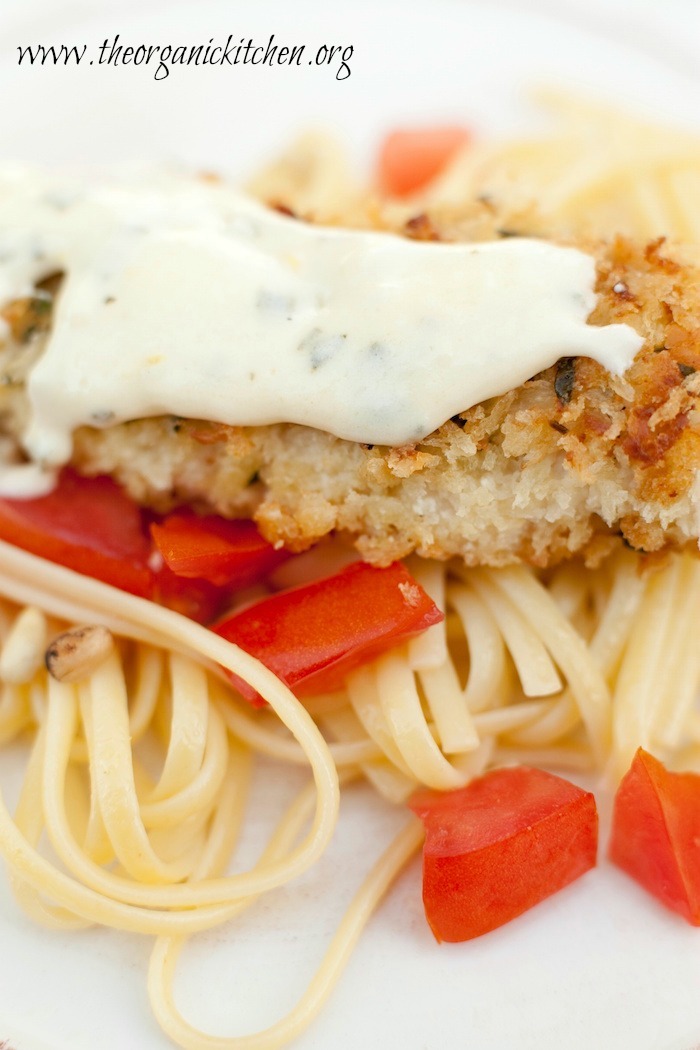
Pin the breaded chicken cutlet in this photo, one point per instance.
(571, 462)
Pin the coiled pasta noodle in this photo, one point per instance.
(144, 843)
(599, 172)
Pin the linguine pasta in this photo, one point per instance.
(148, 851)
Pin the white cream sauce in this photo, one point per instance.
(185, 297)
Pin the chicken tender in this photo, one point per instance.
(571, 462)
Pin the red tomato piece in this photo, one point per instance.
(198, 599)
(86, 524)
(655, 834)
(91, 526)
(312, 636)
(410, 159)
(215, 549)
(500, 845)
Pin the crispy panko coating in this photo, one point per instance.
(571, 462)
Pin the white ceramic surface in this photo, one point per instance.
(599, 965)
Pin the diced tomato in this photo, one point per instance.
(410, 159)
(198, 599)
(212, 548)
(655, 834)
(86, 524)
(91, 526)
(500, 845)
(312, 636)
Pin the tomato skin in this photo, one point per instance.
(91, 526)
(221, 551)
(409, 159)
(500, 845)
(197, 599)
(86, 524)
(312, 636)
(655, 835)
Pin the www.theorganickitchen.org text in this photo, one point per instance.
(164, 58)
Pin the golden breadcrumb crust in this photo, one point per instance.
(571, 462)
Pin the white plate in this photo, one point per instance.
(599, 965)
